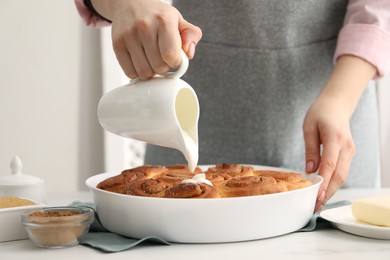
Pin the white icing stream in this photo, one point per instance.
(191, 149)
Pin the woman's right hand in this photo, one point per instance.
(148, 35)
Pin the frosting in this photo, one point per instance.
(198, 179)
(191, 148)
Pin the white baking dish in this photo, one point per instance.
(11, 223)
(205, 220)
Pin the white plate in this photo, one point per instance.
(343, 219)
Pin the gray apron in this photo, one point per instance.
(258, 67)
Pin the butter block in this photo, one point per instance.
(374, 210)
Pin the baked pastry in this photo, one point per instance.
(223, 172)
(182, 168)
(192, 190)
(175, 174)
(120, 183)
(292, 180)
(146, 171)
(251, 186)
(147, 188)
(219, 181)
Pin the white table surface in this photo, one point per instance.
(325, 244)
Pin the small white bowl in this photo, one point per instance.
(11, 226)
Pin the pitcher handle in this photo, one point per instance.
(182, 68)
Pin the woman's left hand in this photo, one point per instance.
(328, 140)
(329, 145)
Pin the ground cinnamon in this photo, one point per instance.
(57, 228)
(59, 213)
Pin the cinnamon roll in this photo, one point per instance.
(182, 168)
(292, 180)
(176, 173)
(191, 190)
(145, 171)
(120, 183)
(223, 172)
(147, 188)
(250, 186)
(116, 184)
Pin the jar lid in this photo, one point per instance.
(17, 177)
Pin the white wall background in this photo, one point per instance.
(384, 115)
(49, 92)
(51, 80)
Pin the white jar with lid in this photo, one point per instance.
(21, 185)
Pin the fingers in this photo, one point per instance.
(124, 59)
(123, 56)
(169, 43)
(330, 155)
(327, 167)
(342, 168)
(312, 148)
(140, 60)
(190, 36)
(148, 36)
(150, 49)
(334, 167)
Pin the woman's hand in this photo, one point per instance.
(148, 35)
(328, 140)
(329, 144)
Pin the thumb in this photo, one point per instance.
(190, 36)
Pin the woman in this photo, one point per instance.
(264, 69)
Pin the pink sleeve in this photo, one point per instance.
(89, 18)
(366, 33)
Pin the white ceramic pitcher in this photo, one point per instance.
(163, 110)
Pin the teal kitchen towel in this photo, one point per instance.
(100, 238)
(316, 222)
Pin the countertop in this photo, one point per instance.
(321, 244)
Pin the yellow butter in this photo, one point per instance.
(374, 210)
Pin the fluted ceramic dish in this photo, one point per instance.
(205, 220)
